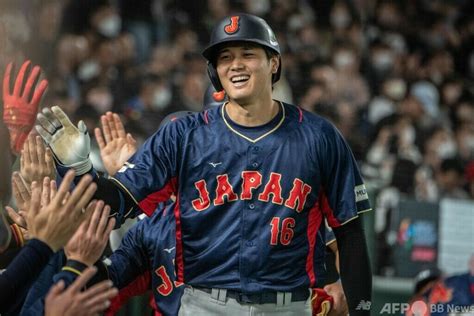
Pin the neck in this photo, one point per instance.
(252, 114)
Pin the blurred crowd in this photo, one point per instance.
(396, 77)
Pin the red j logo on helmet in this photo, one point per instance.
(233, 26)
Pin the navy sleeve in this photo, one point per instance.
(343, 186)
(22, 272)
(329, 236)
(34, 302)
(154, 166)
(130, 260)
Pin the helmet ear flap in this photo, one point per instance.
(212, 72)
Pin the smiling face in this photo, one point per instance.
(245, 71)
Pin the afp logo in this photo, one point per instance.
(233, 26)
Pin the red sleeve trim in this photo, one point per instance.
(148, 205)
(140, 285)
(301, 115)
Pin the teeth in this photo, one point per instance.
(239, 78)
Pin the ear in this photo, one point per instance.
(275, 63)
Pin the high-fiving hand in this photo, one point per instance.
(89, 241)
(75, 301)
(21, 106)
(116, 146)
(55, 222)
(36, 161)
(69, 144)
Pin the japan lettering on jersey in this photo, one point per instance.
(249, 207)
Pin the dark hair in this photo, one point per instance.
(452, 164)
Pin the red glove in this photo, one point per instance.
(321, 302)
(19, 112)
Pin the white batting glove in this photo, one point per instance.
(70, 145)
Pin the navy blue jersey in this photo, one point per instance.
(250, 201)
(145, 260)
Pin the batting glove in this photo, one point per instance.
(20, 109)
(70, 145)
(321, 302)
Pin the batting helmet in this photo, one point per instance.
(426, 276)
(239, 28)
(213, 98)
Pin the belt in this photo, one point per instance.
(261, 298)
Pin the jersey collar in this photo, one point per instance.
(229, 126)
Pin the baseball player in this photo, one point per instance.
(254, 180)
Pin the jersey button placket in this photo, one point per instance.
(249, 245)
(253, 157)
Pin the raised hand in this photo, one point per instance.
(22, 195)
(74, 301)
(36, 161)
(57, 221)
(69, 144)
(89, 241)
(116, 146)
(21, 106)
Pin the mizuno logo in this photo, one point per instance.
(168, 250)
(126, 166)
(215, 164)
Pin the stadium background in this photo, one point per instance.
(396, 77)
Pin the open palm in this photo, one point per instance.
(116, 146)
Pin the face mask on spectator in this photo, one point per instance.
(161, 98)
(408, 135)
(340, 19)
(446, 149)
(382, 61)
(343, 59)
(258, 7)
(88, 69)
(396, 89)
(110, 26)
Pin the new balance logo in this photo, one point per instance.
(215, 164)
(364, 305)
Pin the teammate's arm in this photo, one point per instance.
(355, 270)
(152, 169)
(345, 199)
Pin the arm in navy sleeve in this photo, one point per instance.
(150, 174)
(121, 203)
(23, 271)
(130, 260)
(34, 302)
(126, 263)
